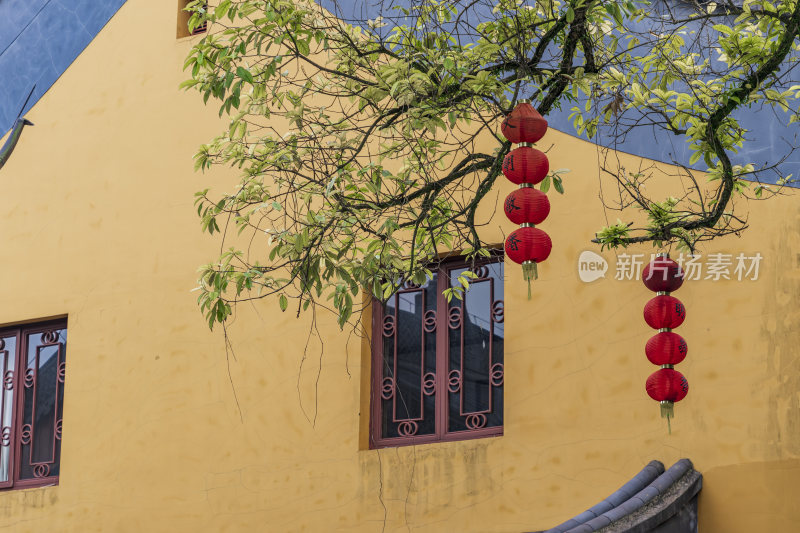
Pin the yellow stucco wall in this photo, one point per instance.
(97, 223)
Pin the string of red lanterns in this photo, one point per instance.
(665, 348)
(526, 166)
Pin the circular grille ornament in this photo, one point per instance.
(387, 388)
(454, 381)
(429, 384)
(429, 321)
(407, 428)
(476, 421)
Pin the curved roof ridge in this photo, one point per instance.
(651, 498)
(633, 486)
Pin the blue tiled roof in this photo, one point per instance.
(39, 40)
(770, 138)
(649, 500)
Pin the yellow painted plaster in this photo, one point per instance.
(165, 430)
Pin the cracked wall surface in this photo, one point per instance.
(103, 229)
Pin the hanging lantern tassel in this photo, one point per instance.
(664, 312)
(528, 246)
(530, 273)
(667, 386)
(666, 412)
(526, 166)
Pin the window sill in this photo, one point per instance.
(461, 436)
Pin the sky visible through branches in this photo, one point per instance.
(769, 139)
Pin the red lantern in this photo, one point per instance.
(666, 348)
(524, 124)
(525, 165)
(527, 205)
(664, 311)
(528, 246)
(662, 274)
(667, 386)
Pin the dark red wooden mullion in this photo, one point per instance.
(481, 432)
(378, 362)
(395, 388)
(22, 361)
(442, 370)
(12, 468)
(491, 342)
(422, 359)
(19, 396)
(442, 310)
(375, 436)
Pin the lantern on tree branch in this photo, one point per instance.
(527, 205)
(666, 349)
(662, 274)
(528, 246)
(667, 386)
(664, 311)
(525, 166)
(524, 124)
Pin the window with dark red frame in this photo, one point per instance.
(183, 20)
(31, 404)
(202, 27)
(437, 367)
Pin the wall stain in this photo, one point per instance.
(780, 328)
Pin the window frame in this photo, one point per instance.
(183, 21)
(440, 382)
(22, 332)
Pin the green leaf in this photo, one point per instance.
(222, 8)
(723, 29)
(244, 74)
(303, 47)
(283, 302)
(545, 185)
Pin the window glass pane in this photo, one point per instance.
(409, 362)
(8, 352)
(475, 351)
(43, 397)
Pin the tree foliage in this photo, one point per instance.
(366, 146)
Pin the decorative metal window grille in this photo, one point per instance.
(202, 27)
(31, 403)
(183, 20)
(437, 367)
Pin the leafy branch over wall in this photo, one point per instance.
(367, 145)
